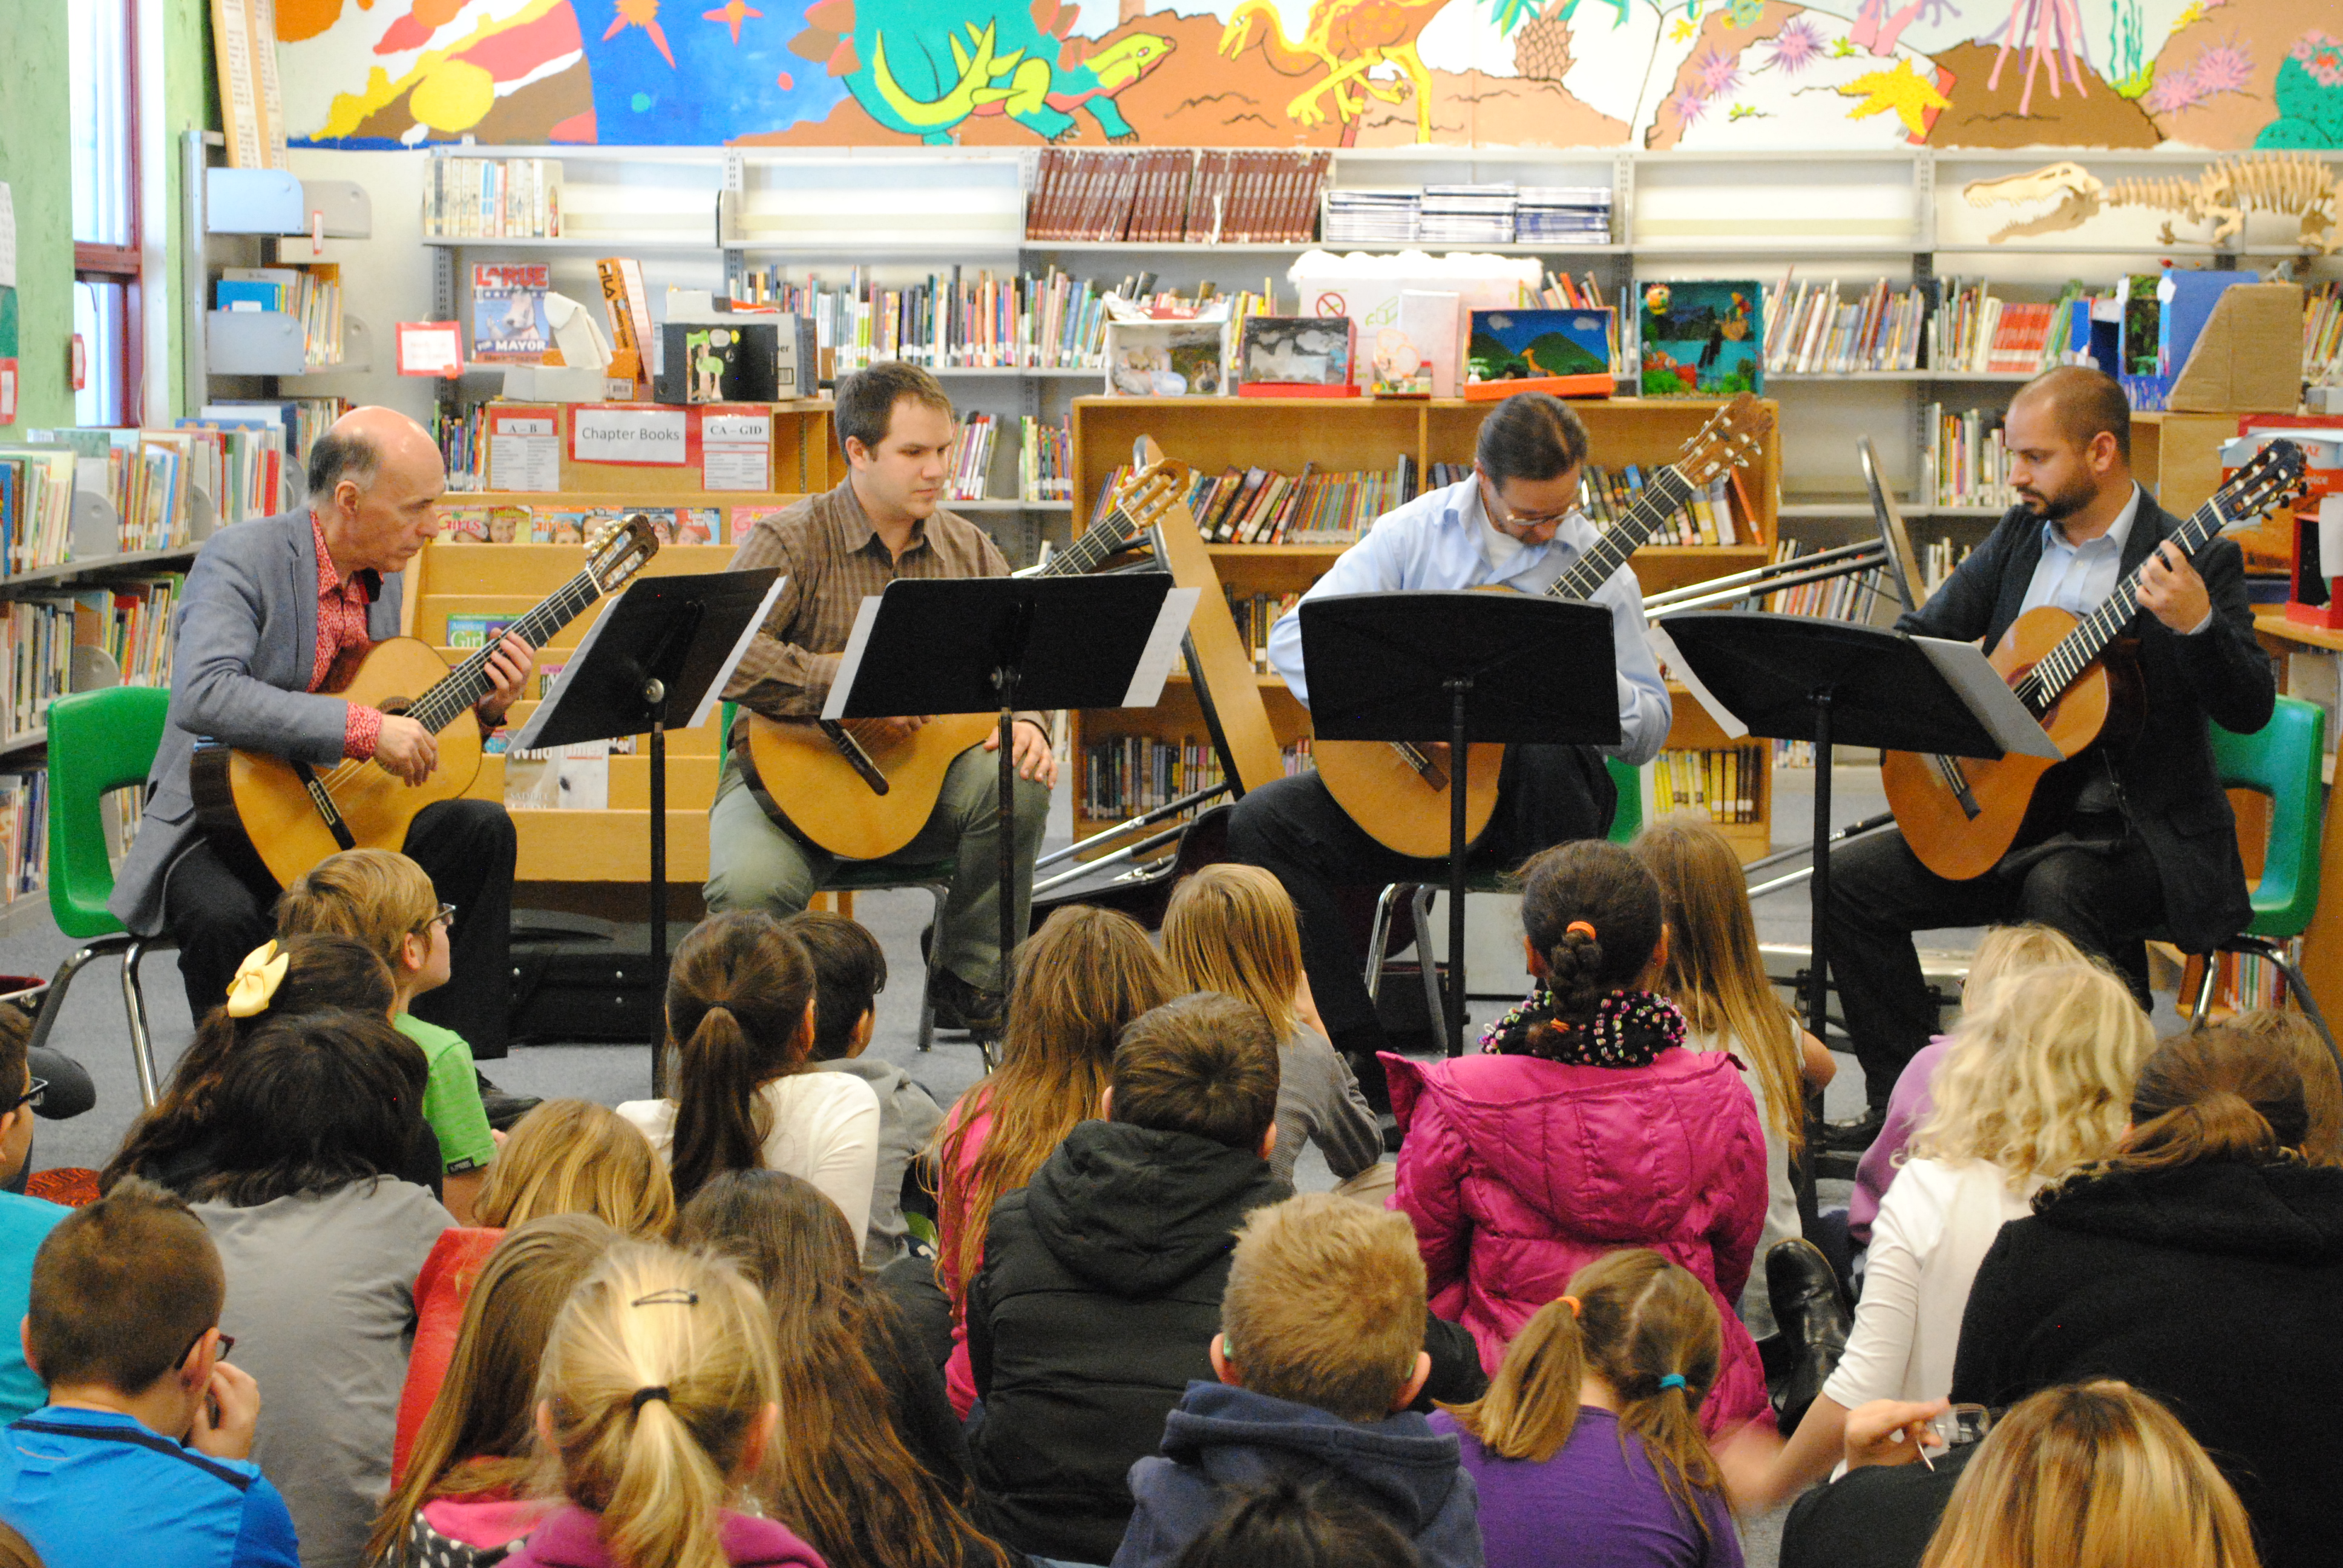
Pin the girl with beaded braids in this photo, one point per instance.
(657, 1400)
(1583, 1126)
(1591, 1429)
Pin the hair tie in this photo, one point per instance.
(1576, 927)
(257, 980)
(1674, 1380)
(643, 1396)
(1573, 1302)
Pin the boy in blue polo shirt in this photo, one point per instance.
(24, 1221)
(140, 1455)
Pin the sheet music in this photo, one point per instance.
(526, 739)
(1989, 698)
(715, 692)
(850, 661)
(1162, 647)
(1678, 667)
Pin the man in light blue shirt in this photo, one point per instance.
(1513, 523)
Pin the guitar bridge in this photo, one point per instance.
(1432, 774)
(857, 758)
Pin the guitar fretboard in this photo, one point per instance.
(451, 698)
(1107, 536)
(1663, 493)
(2075, 652)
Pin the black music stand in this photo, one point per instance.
(1471, 667)
(661, 652)
(994, 645)
(1798, 678)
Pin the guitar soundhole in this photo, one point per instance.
(395, 704)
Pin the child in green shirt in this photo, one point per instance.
(387, 901)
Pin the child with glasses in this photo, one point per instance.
(382, 899)
(143, 1455)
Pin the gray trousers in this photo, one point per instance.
(753, 863)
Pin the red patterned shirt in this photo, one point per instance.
(342, 606)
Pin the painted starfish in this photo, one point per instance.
(643, 14)
(732, 11)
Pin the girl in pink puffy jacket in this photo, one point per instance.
(1583, 1126)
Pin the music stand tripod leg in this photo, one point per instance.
(1459, 691)
(1818, 957)
(1004, 683)
(655, 698)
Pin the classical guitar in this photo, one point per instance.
(2081, 679)
(864, 801)
(271, 820)
(1398, 793)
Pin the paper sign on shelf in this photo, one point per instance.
(629, 435)
(430, 348)
(7, 237)
(736, 451)
(524, 449)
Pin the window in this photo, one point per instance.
(107, 284)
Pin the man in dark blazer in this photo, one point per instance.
(2150, 843)
(267, 606)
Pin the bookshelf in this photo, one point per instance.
(1210, 434)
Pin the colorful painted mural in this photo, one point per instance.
(1693, 73)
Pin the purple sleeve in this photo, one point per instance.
(1908, 1105)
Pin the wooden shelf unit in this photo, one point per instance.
(1211, 434)
(579, 848)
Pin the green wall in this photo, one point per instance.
(35, 160)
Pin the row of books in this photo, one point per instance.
(1128, 774)
(1726, 782)
(1939, 559)
(1605, 494)
(1975, 331)
(311, 292)
(1264, 506)
(1810, 326)
(2247, 981)
(235, 461)
(1484, 214)
(1965, 455)
(24, 832)
(1171, 195)
(1045, 461)
(492, 198)
(972, 458)
(37, 489)
(1049, 321)
(1851, 598)
(525, 523)
(1255, 616)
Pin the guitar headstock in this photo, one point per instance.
(1146, 495)
(2273, 479)
(1731, 438)
(620, 550)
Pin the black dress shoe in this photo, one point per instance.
(503, 1108)
(962, 1007)
(1812, 1314)
(1859, 1134)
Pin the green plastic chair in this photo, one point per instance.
(1626, 821)
(2281, 761)
(99, 741)
(874, 877)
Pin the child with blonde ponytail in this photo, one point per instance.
(741, 1023)
(658, 1397)
(1590, 1430)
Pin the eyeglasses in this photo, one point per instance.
(1501, 514)
(34, 1090)
(445, 915)
(227, 1343)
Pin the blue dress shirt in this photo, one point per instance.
(1434, 542)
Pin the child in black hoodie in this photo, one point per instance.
(1100, 1289)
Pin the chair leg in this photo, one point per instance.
(1379, 939)
(53, 1002)
(1435, 1005)
(2205, 983)
(938, 891)
(133, 1002)
(2295, 982)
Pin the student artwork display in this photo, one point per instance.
(1296, 356)
(1565, 352)
(509, 317)
(1165, 358)
(1703, 339)
(1650, 74)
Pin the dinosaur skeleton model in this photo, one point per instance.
(2297, 184)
